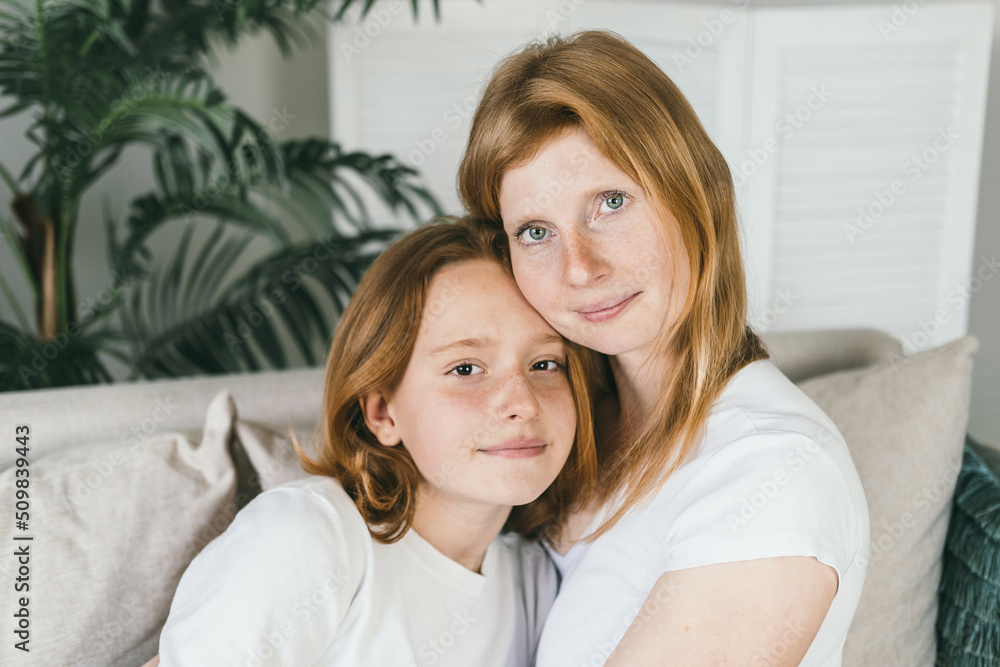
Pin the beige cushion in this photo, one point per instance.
(68, 417)
(904, 420)
(804, 354)
(114, 527)
(271, 454)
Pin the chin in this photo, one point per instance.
(518, 496)
(610, 343)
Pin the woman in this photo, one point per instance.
(730, 526)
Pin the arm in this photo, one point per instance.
(755, 612)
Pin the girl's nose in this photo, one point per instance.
(517, 399)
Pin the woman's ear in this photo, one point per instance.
(375, 408)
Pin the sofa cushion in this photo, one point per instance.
(968, 622)
(114, 526)
(270, 453)
(904, 421)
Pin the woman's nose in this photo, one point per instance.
(582, 263)
(517, 399)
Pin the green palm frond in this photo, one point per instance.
(151, 212)
(191, 316)
(318, 191)
(323, 179)
(29, 363)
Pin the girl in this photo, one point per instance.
(448, 401)
(730, 526)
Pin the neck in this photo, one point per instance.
(639, 378)
(461, 530)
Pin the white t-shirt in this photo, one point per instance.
(772, 477)
(297, 580)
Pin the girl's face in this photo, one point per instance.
(589, 250)
(484, 406)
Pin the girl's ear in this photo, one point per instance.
(378, 420)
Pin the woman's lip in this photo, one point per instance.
(605, 310)
(517, 449)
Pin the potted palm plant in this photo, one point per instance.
(99, 76)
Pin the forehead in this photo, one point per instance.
(569, 163)
(476, 298)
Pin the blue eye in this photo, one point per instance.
(533, 233)
(614, 201)
(465, 369)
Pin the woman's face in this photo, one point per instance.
(485, 406)
(589, 249)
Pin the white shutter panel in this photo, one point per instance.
(865, 213)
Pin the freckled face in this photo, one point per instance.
(589, 249)
(484, 406)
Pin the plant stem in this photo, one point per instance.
(50, 201)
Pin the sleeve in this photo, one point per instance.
(273, 589)
(763, 496)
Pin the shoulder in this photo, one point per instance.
(306, 526)
(762, 420)
(301, 507)
(773, 468)
(301, 541)
(772, 477)
(759, 398)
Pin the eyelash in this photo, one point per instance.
(608, 195)
(604, 197)
(560, 365)
(459, 365)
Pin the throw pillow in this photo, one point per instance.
(114, 526)
(271, 454)
(904, 421)
(968, 622)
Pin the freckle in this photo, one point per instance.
(687, 629)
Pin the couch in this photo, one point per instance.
(128, 482)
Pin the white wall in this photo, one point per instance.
(255, 77)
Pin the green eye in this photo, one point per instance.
(615, 201)
(536, 233)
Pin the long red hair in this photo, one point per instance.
(641, 121)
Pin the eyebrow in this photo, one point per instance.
(486, 341)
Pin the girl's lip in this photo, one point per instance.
(517, 449)
(522, 453)
(605, 310)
